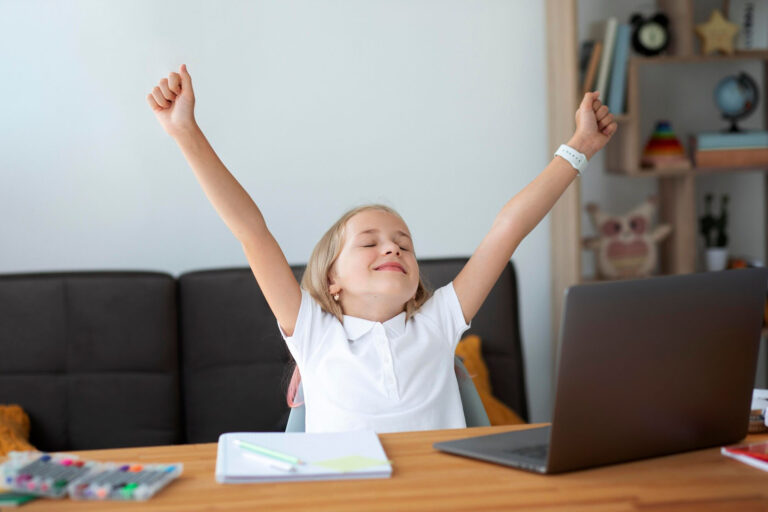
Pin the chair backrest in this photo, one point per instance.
(474, 412)
(92, 357)
(203, 352)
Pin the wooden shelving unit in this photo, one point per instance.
(622, 155)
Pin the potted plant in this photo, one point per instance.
(713, 229)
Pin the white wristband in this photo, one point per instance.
(577, 160)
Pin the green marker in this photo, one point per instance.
(127, 491)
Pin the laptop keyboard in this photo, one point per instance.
(538, 451)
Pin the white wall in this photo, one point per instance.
(434, 107)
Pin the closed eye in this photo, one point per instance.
(374, 245)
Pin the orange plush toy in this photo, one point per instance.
(468, 350)
(14, 429)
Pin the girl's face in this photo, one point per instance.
(376, 266)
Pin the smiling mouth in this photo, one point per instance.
(391, 267)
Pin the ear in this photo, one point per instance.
(645, 209)
(331, 275)
(334, 288)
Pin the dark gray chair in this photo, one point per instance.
(114, 359)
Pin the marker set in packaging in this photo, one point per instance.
(56, 475)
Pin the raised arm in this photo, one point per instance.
(594, 128)
(173, 103)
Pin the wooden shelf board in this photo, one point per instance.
(678, 59)
(591, 279)
(644, 172)
(711, 170)
(648, 173)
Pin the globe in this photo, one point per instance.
(736, 97)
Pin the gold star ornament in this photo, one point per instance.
(717, 34)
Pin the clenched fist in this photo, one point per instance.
(594, 125)
(173, 102)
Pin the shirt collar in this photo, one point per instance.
(357, 327)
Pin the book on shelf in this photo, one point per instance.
(729, 157)
(603, 73)
(590, 74)
(585, 51)
(752, 16)
(732, 140)
(732, 158)
(618, 82)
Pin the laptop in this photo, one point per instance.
(646, 367)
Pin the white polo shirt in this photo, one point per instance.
(387, 377)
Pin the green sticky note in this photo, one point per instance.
(351, 463)
(14, 499)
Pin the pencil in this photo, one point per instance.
(266, 451)
(269, 461)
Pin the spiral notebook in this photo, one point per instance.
(325, 456)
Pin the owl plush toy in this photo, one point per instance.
(625, 246)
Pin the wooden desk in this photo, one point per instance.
(425, 479)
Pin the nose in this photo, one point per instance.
(392, 247)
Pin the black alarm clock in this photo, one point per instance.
(650, 36)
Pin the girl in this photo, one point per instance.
(374, 347)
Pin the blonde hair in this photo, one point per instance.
(315, 278)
